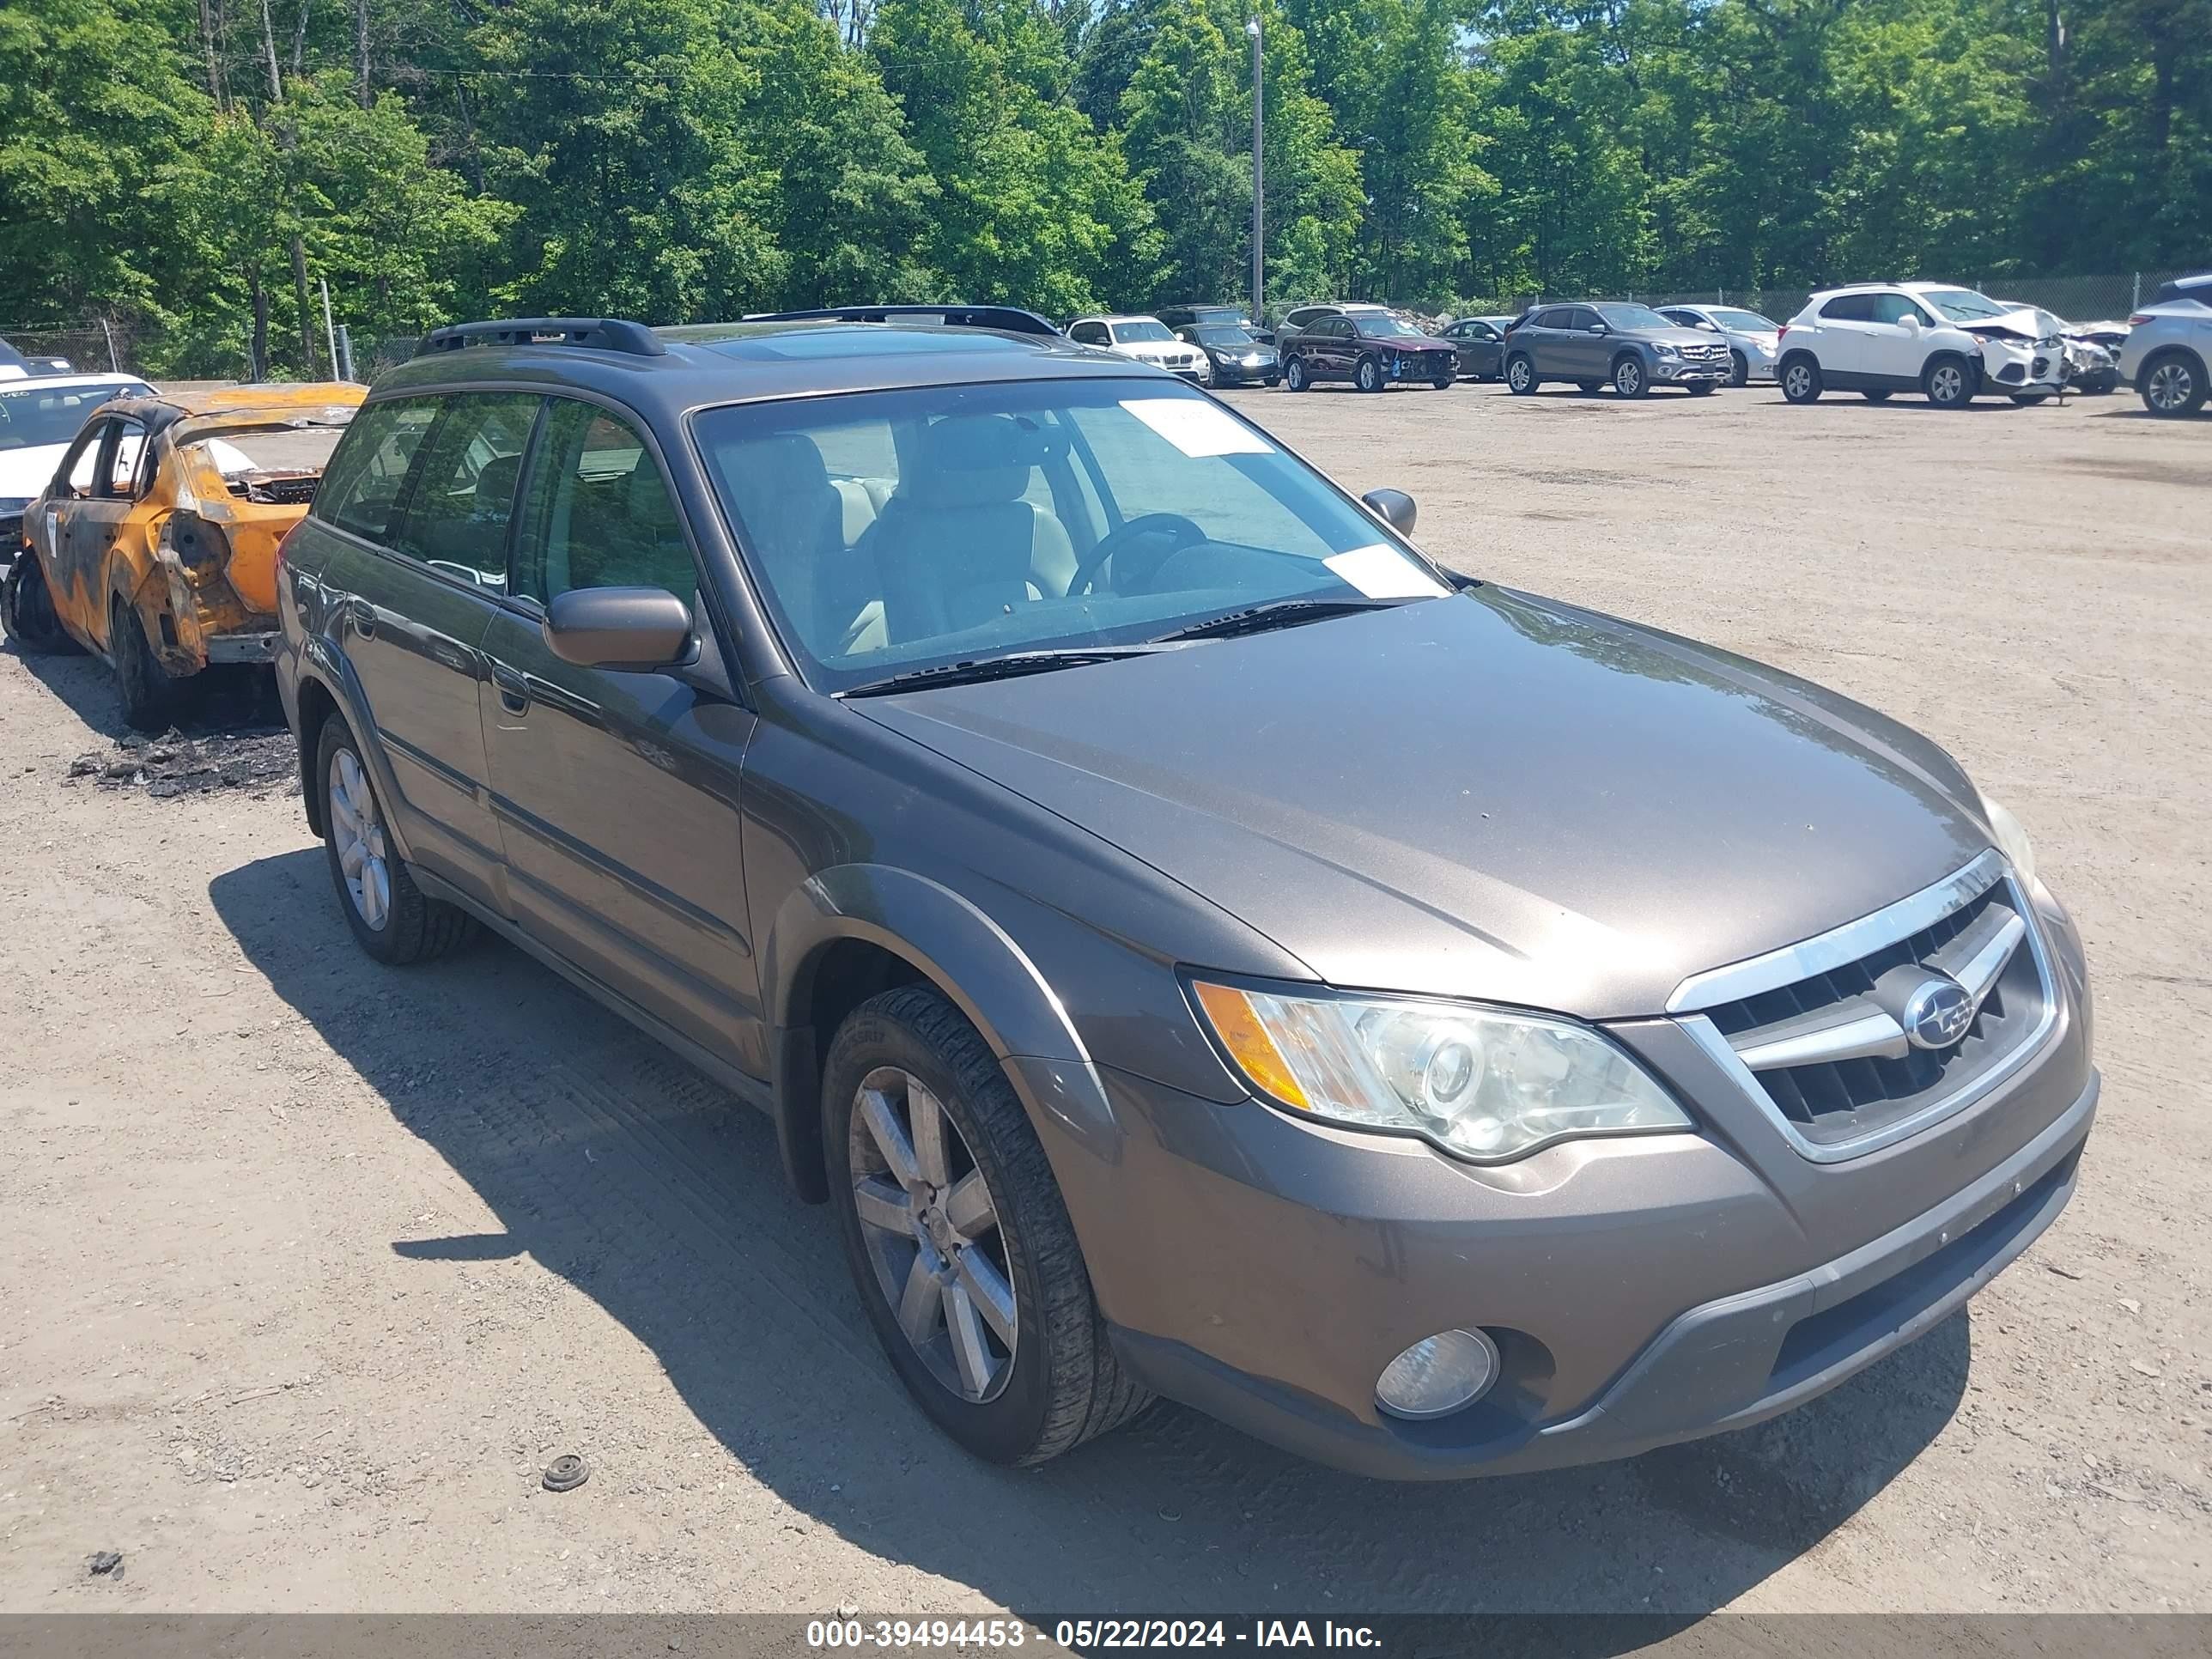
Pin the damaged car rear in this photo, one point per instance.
(155, 544)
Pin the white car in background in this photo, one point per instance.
(1147, 339)
(2168, 357)
(39, 415)
(1751, 337)
(1947, 342)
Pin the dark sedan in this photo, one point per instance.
(1480, 343)
(1233, 355)
(1368, 346)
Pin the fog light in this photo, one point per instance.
(1437, 1375)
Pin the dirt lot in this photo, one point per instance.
(312, 1267)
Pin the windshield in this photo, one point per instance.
(1628, 316)
(1963, 305)
(1381, 324)
(1743, 322)
(1147, 330)
(897, 531)
(34, 417)
(1215, 335)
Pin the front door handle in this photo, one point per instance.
(513, 689)
(363, 615)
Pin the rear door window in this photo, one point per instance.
(361, 490)
(459, 506)
(1849, 308)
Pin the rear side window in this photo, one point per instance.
(1088, 334)
(119, 479)
(458, 509)
(597, 512)
(1554, 317)
(360, 490)
(1849, 308)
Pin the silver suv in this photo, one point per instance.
(2169, 348)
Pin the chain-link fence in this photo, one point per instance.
(105, 344)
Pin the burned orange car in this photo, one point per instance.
(155, 544)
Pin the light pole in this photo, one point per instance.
(1259, 182)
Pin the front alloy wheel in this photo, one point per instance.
(932, 1229)
(1628, 377)
(1738, 369)
(1948, 386)
(1368, 375)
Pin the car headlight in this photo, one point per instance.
(2012, 840)
(1482, 1084)
(1670, 351)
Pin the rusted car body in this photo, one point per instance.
(155, 544)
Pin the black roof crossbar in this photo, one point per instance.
(1007, 319)
(601, 333)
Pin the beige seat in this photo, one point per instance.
(794, 524)
(956, 545)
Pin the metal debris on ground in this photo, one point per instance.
(103, 1563)
(259, 763)
(565, 1473)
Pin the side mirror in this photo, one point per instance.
(1600, 328)
(1394, 506)
(1910, 322)
(1710, 328)
(637, 628)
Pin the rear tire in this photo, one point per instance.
(151, 697)
(393, 920)
(1295, 376)
(1520, 376)
(1800, 378)
(2171, 385)
(1057, 1384)
(26, 612)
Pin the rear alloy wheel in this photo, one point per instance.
(1801, 380)
(392, 918)
(1368, 376)
(2172, 385)
(1628, 377)
(1294, 374)
(1948, 383)
(1738, 369)
(1520, 376)
(151, 695)
(27, 611)
(958, 1239)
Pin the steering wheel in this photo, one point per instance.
(1186, 531)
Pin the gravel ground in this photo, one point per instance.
(312, 1268)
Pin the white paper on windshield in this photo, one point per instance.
(1384, 572)
(1197, 427)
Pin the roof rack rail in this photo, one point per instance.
(603, 333)
(1008, 319)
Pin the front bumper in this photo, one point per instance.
(1246, 374)
(1265, 1268)
(1681, 372)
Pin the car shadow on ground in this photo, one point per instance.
(652, 1191)
(228, 699)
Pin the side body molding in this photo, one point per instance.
(971, 958)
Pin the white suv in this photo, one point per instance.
(1147, 339)
(1945, 342)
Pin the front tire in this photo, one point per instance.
(1947, 383)
(957, 1237)
(1628, 377)
(1801, 379)
(1520, 376)
(26, 612)
(393, 920)
(2173, 384)
(1367, 376)
(1738, 369)
(1295, 376)
(1701, 388)
(151, 695)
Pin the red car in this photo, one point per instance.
(1367, 345)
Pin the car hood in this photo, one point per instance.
(1677, 337)
(1489, 795)
(25, 472)
(1411, 341)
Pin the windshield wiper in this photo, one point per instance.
(1282, 613)
(1007, 667)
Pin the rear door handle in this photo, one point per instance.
(513, 689)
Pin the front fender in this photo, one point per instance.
(967, 955)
